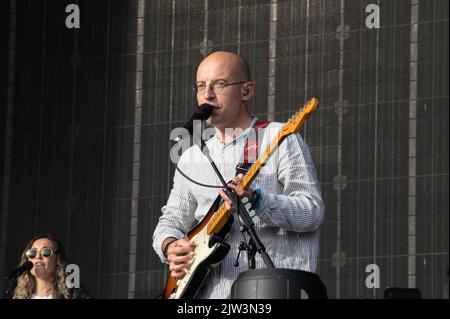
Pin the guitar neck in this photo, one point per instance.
(256, 167)
(221, 216)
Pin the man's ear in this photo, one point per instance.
(248, 91)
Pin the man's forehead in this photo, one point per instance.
(216, 71)
(212, 80)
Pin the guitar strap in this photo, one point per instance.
(251, 148)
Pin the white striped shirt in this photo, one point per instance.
(289, 214)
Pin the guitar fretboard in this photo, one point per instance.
(220, 217)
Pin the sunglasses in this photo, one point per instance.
(45, 252)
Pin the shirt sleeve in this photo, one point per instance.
(300, 207)
(178, 215)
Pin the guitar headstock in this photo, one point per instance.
(295, 122)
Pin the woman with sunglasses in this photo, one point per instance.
(47, 278)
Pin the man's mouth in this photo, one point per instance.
(215, 110)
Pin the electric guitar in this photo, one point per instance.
(209, 234)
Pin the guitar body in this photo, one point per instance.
(209, 234)
(210, 251)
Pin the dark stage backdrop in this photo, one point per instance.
(86, 114)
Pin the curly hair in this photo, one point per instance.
(26, 283)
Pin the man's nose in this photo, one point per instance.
(209, 92)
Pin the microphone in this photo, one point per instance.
(202, 112)
(19, 270)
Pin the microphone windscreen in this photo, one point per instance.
(204, 110)
(27, 265)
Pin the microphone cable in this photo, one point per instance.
(202, 113)
(195, 182)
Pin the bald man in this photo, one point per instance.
(286, 194)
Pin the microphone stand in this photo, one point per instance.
(248, 225)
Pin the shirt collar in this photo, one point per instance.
(244, 134)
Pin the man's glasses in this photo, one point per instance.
(217, 87)
(45, 252)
